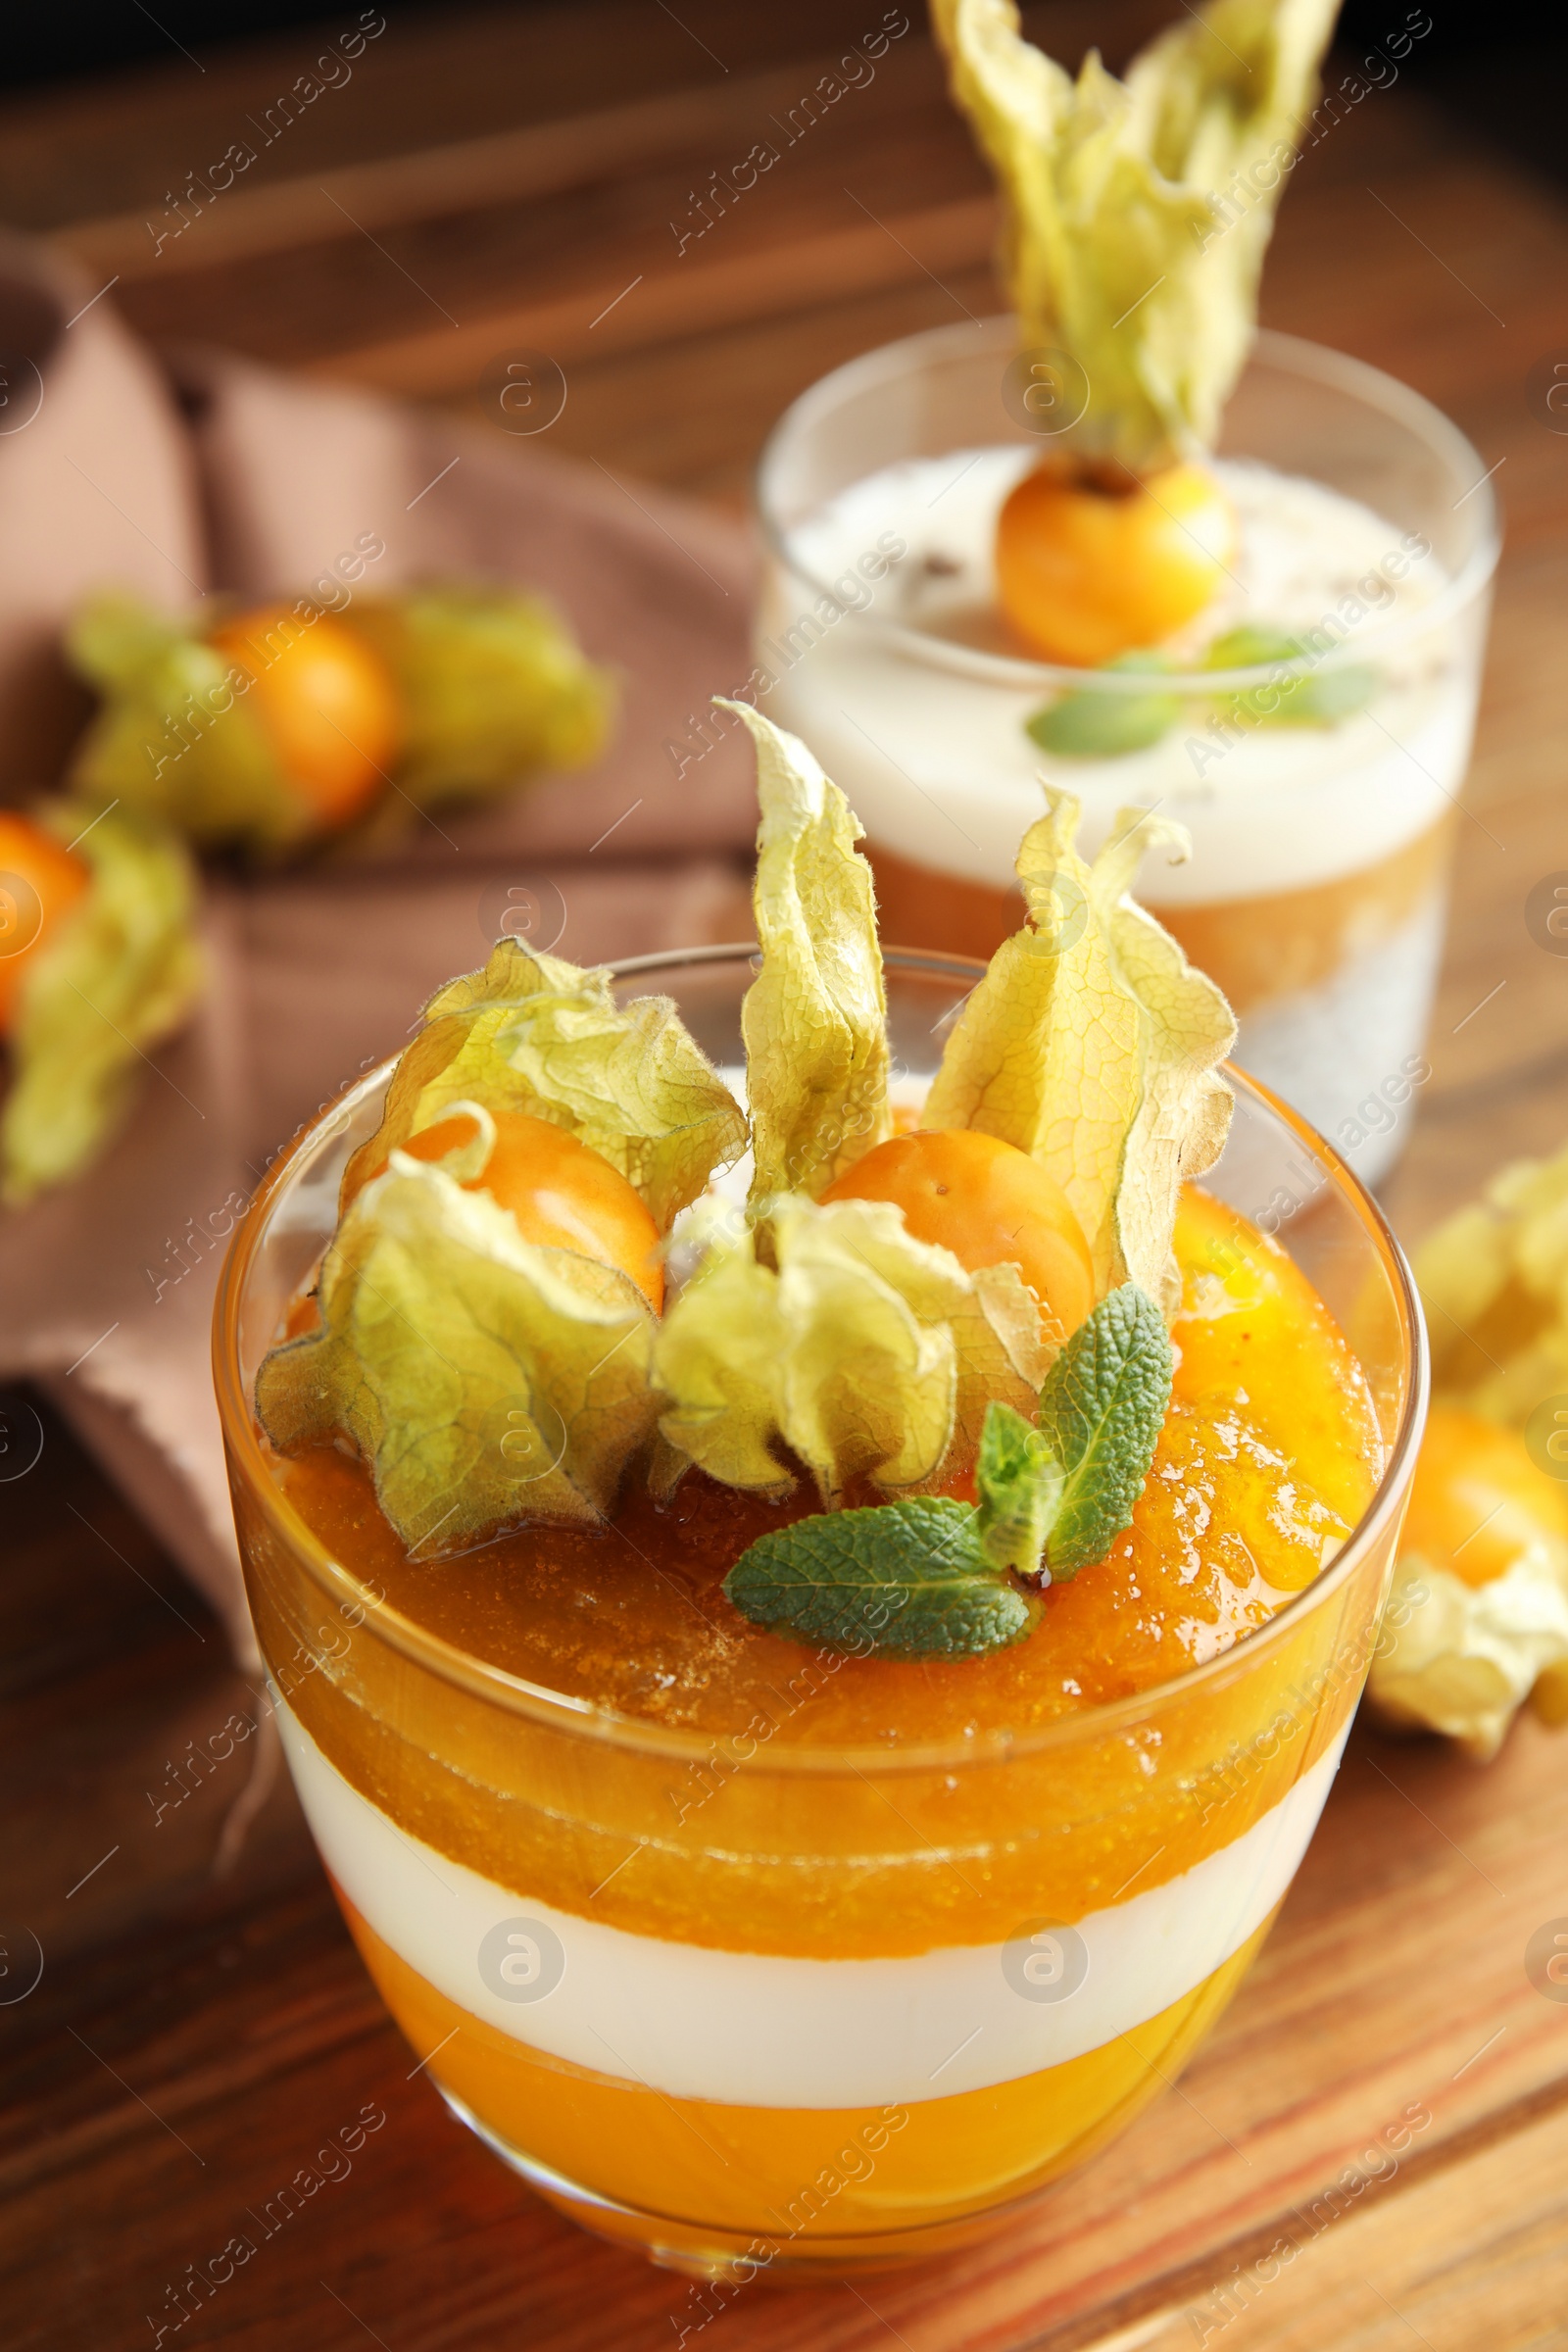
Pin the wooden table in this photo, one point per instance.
(493, 183)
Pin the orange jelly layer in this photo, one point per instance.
(730, 1825)
(1269, 1455)
(795, 2174)
(1257, 948)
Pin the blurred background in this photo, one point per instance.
(477, 184)
(489, 176)
(480, 183)
(1471, 59)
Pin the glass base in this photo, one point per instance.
(731, 2258)
(771, 2236)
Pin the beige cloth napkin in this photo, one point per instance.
(206, 473)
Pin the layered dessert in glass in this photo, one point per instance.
(1121, 546)
(813, 1578)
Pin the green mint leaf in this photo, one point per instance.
(1337, 694)
(1252, 646)
(905, 1579)
(928, 1577)
(1101, 726)
(1101, 1412)
(1018, 1480)
(1311, 700)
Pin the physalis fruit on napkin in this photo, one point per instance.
(445, 692)
(1476, 1621)
(118, 973)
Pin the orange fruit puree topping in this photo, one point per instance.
(1269, 1455)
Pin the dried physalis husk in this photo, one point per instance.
(1092, 1044)
(1137, 213)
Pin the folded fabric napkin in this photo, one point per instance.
(196, 474)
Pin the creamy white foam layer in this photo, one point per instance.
(755, 2029)
(939, 769)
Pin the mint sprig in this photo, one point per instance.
(1086, 725)
(1018, 1479)
(1102, 1410)
(907, 1579)
(1105, 726)
(932, 1577)
(1309, 699)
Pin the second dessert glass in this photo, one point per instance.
(799, 2011)
(1315, 894)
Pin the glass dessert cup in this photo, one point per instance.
(1315, 894)
(782, 2009)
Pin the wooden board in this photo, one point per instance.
(194, 2037)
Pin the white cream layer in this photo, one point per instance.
(758, 2028)
(939, 769)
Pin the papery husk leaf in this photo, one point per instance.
(865, 1354)
(485, 1382)
(1009, 1313)
(164, 743)
(815, 1019)
(1045, 1052)
(494, 689)
(1123, 244)
(122, 972)
(868, 1382)
(539, 1035)
(1091, 1044)
(1183, 1114)
(718, 1355)
(1493, 1284)
(1463, 1659)
(1493, 1279)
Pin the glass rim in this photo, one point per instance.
(1291, 354)
(585, 1717)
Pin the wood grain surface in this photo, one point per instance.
(494, 181)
